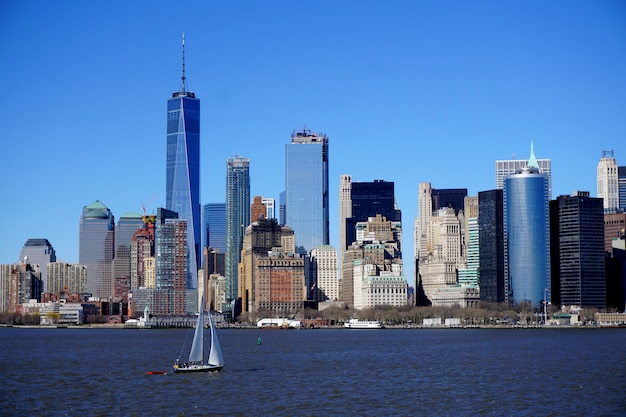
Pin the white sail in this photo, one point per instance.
(197, 347)
(215, 355)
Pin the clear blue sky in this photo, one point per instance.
(407, 91)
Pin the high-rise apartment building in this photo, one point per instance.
(491, 246)
(66, 277)
(324, 266)
(345, 210)
(578, 266)
(608, 181)
(527, 237)
(237, 219)
(96, 248)
(505, 168)
(182, 191)
(306, 188)
(39, 252)
(171, 258)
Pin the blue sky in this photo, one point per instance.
(407, 91)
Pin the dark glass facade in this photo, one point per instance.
(449, 197)
(491, 246)
(214, 226)
(367, 200)
(577, 223)
(182, 191)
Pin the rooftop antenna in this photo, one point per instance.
(183, 78)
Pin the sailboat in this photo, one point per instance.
(196, 362)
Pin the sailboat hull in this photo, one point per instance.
(199, 368)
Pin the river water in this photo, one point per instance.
(428, 372)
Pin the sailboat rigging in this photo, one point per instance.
(196, 361)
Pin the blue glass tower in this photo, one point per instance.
(237, 219)
(214, 226)
(527, 233)
(306, 189)
(182, 191)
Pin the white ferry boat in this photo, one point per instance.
(362, 324)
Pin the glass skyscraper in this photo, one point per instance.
(182, 191)
(96, 251)
(39, 252)
(527, 234)
(237, 219)
(491, 246)
(367, 199)
(214, 226)
(578, 260)
(306, 189)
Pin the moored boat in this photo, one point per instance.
(362, 324)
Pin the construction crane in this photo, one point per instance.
(145, 206)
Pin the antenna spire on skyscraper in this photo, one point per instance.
(183, 78)
(532, 161)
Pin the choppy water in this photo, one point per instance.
(102, 372)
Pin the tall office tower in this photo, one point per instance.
(39, 252)
(270, 207)
(446, 256)
(425, 212)
(345, 210)
(449, 198)
(67, 278)
(171, 257)
(491, 246)
(369, 199)
(505, 168)
(282, 208)
(96, 248)
(324, 266)
(126, 227)
(527, 234)
(258, 209)
(621, 180)
(608, 181)
(306, 188)
(237, 219)
(182, 191)
(214, 226)
(261, 237)
(141, 248)
(578, 264)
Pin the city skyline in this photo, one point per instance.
(410, 93)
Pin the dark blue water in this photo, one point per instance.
(102, 372)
